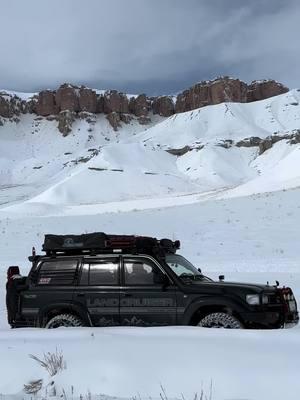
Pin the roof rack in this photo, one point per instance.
(101, 243)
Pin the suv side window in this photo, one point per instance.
(57, 272)
(103, 272)
(140, 272)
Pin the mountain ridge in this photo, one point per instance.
(70, 102)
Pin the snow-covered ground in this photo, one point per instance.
(128, 362)
(234, 211)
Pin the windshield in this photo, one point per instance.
(184, 269)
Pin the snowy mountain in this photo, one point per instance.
(233, 147)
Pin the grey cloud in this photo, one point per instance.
(146, 46)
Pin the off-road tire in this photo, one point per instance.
(220, 320)
(66, 320)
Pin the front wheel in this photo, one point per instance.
(66, 320)
(220, 320)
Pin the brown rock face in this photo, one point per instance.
(228, 89)
(114, 101)
(211, 92)
(139, 106)
(87, 100)
(163, 106)
(74, 99)
(46, 103)
(259, 90)
(65, 121)
(66, 98)
(114, 120)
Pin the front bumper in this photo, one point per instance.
(270, 319)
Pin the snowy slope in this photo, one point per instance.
(233, 121)
(95, 164)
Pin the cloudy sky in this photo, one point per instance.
(151, 46)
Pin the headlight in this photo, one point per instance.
(253, 299)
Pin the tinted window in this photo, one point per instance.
(140, 272)
(57, 272)
(104, 272)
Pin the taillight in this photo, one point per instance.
(287, 296)
(11, 271)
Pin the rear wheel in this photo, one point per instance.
(220, 320)
(66, 320)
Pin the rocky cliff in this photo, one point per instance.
(68, 102)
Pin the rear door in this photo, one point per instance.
(98, 290)
(143, 302)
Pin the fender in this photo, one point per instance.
(216, 301)
(77, 309)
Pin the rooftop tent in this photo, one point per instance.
(99, 242)
(88, 241)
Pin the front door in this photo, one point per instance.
(98, 290)
(143, 302)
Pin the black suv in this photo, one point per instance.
(106, 280)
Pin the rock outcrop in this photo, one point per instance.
(226, 89)
(87, 100)
(249, 142)
(67, 98)
(113, 101)
(211, 92)
(114, 120)
(259, 90)
(46, 104)
(268, 142)
(69, 102)
(10, 105)
(65, 121)
(140, 105)
(163, 106)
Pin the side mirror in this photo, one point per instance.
(221, 278)
(199, 269)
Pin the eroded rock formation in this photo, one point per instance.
(259, 90)
(163, 106)
(87, 100)
(211, 92)
(69, 102)
(46, 104)
(67, 98)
